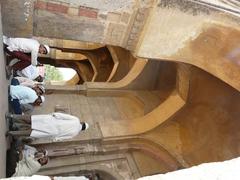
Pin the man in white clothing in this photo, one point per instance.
(18, 47)
(23, 95)
(26, 82)
(39, 88)
(30, 162)
(56, 126)
(30, 72)
(26, 45)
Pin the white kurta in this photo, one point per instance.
(24, 94)
(27, 167)
(24, 45)
(28, 151)
(30, 72)
(26, 82)
(57, 126)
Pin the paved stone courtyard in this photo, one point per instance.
(3, 108)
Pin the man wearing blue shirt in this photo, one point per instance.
(23, 95)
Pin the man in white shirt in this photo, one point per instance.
(23, 95)
(30, 72)
(30, 162)
(56, 126)
(26, 82)
(18, 47)
(39, 88)
(24, 160)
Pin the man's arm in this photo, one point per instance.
(34, 56)
(20, 55)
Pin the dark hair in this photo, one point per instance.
(45, 161)
(39, 78)
(83, 126)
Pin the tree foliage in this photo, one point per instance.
(52, 73)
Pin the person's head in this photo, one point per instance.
(44, 49)
(39, 89)
(43, 160)
(85, 126)
(39, 101)
(40, 153)
(39, 78)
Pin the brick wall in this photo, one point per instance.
(63, 20)
(112, 24)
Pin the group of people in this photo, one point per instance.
(26, 91)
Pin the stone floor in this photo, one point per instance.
(3, 108)
(94, 109)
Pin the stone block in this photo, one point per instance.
(67, 27)
(113, 17)
(88, 12)
(115, 33)
(125, 17)
(17, 18)
(73, 11)
(57, 8)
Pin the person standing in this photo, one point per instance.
(56, 126)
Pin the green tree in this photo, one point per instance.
(52, 73)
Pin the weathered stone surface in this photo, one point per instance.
(40, 5)
(114, 17)
(115, 33)
(59, 8)
(137, 27)
(17, 17)
(105, 5)
(64, 27)
(125, 17)
(88, 12)
(73, 11)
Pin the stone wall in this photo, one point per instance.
(117, 23)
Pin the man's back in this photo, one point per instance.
(56, 125)
(22, 44)
(23, 94)
(29, 72)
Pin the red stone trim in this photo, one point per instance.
(60, 8)
(49, 6)
(57, 8)
(40, 5)
(88, 12)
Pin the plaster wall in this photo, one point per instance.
(206, 129)
(196, 34)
